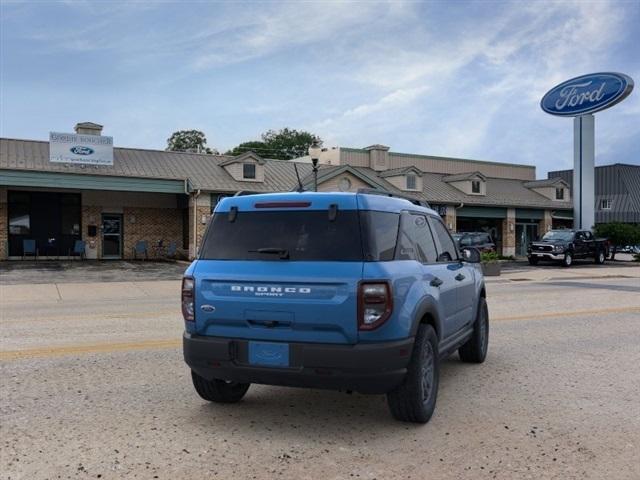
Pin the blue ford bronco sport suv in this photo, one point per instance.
(347, 291)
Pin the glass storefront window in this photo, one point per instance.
(70, 214)
(19, 214)
(19, 224)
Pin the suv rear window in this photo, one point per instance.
(303, 235)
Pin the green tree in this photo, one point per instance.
(619, 234)
(256, 146)
(289, 143)
(283, 144)
(188, 141)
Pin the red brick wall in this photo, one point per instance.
(151, 224)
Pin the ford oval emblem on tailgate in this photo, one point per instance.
(208, 308)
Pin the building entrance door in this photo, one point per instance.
(525, 233)
(111, 236)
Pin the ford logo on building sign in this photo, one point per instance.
(587, 94)
(79, 150)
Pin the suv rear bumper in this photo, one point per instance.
(365, 368)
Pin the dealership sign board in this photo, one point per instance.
(80, 149)
(587, 94)
(579, 98)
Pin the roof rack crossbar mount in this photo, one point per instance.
(386, 193)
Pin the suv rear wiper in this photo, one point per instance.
(283, 252)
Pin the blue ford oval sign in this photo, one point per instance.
(587, 94)
(79, 150)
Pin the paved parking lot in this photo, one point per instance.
(93, 386)
(88, 271)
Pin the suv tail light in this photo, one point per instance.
(188, 290)
(375, 304)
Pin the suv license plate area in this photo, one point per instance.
(269, 354)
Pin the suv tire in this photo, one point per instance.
(600, 257)
(533, 261)
(219, 391)
(415, 399)
(475, 349)
(567, 261)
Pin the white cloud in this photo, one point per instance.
(459, 79)
(488, 76)
(286, 27)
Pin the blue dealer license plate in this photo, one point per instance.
(269, 354)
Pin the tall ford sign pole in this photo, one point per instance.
(580, 98)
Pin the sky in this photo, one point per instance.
(451, 78)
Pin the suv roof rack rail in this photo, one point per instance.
(386, 193)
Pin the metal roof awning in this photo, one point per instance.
(482, 212)
(529, 213)
(563, 215)
(29, 178)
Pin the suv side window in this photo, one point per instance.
(406, 249)
(588, 236)
(424, 239)
(447, 251)
(415, 241)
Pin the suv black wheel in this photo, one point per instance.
(475, 349)
(415, 399)
(567, 261)
(219, 391)
(600, 257)
(533, 261)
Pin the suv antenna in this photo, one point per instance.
(300, 187)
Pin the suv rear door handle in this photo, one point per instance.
(436, 282)
(459, 277)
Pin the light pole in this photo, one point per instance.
(314, 153)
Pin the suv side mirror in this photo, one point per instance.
(471, 255)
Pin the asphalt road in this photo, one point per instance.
(94, 386)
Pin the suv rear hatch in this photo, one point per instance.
(281, 269)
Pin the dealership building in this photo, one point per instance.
(79, 187)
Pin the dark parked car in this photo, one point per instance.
(480, 240)
(566, 245)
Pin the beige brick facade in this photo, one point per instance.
(201, 216)
(91, 216)
(546, 223)
(450, 218)
(509, 233)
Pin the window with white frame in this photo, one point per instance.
(411, 182)
(475, 186)
(605, 204)
(559, 193)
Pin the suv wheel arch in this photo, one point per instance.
(427, 314)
